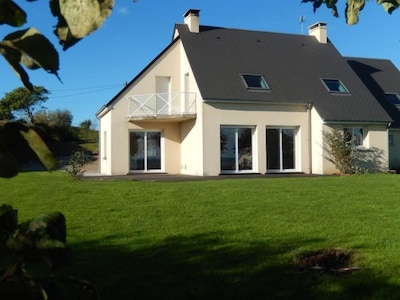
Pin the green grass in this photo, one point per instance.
(222, 239)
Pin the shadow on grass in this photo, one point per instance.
(207, 266)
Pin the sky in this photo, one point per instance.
(97, 68)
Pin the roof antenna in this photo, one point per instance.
(302, 19)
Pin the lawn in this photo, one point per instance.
(222, 239)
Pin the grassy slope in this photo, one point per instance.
(222, 239)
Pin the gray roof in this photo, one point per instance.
(380, 76)
(293, 66)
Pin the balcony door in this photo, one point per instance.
(163, 98)
(145, 151)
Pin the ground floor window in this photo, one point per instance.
(145, 150)
(281, 149)
(236, 149)
(354, 135)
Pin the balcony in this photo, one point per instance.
(172, 107)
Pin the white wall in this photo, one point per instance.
(258, 116)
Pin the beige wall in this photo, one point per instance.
(259, 117)
(177, 137)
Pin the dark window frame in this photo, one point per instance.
(255, 82)
(335, 86)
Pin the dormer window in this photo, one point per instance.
(335, 86)
(393, 98)
(255, 82)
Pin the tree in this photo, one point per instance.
(86, 124)
(60, 118)
(20, 99)
(353, 7)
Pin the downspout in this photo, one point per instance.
(309, 110)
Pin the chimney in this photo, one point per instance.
(319, 31)
(191, 18)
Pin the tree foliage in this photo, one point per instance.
(353, 7)
(22, 100)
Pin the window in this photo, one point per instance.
(335, 86)
(255, 82)
(236, 149)
(354, 135)
(393, 98)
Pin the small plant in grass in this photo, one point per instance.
(77, 160)
(30, 254)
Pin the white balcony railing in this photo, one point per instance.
(162, 105)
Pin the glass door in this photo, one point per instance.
(281, 154)
(145, 150)
(236, 149)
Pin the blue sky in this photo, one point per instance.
(96, 68)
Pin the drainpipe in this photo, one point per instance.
(309, 110)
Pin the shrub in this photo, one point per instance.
(77, 160)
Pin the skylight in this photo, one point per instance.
(255, 82)
(335, 86)
(393, 98)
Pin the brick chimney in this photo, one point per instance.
(191, 18)
(319, 30)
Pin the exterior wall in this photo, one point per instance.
(394, 149)
(116, 121)
(317, 151)
(192, 131)
(258, 116)
(373, 155)
(105, 144)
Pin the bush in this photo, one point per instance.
(349, 159)
(77, 160)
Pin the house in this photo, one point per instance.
(229, 101)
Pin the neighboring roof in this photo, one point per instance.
(293, 66)
(381, 77)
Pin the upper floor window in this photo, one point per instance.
(255, 82)
(354, 135)
(335, 86)
(393, 98)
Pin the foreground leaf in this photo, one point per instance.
(19, 144)
(389, 5)
(35, 49)
(11, 14)
(77, 19)
(353, 8)
(40, 148)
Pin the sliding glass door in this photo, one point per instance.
(145, 150)
(236, 149)
(281, 149)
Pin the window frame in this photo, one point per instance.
(263, 82)
(387, 95)
(353, 140)
(325, 82)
